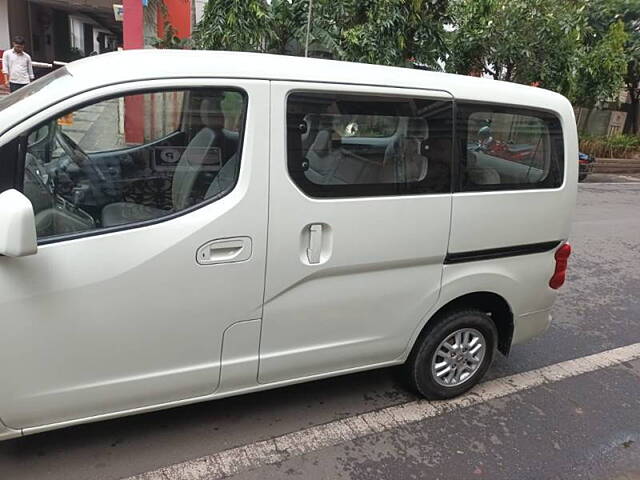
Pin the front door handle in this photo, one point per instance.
(224, 250)
(315, 243)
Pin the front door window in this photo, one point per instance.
(134, 158)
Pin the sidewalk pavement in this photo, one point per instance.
(612, 178)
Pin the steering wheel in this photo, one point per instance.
(71, 148)
(79, 157)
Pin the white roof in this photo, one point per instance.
(132, 65)
(146, 64)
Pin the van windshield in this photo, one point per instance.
(58, 80)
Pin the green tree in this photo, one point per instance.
(607, 12)
(526, 41)
(542, 42)
(288, 21)
(601, 67)
(240, 25)
(389, 32)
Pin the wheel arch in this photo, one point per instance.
(491, 303)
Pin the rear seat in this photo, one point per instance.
(403, 158)
(328, 166)
(320, 158)
(477, 175)
(402, 162)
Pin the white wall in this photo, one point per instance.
(199, 9)
(96, 32)
(77, 33)
(5, 39)
(76, 26)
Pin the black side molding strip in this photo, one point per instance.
(491, 253)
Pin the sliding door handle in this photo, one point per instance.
(315, 243)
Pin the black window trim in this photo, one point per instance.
(497, 107)
(12, 172)
(52, 239)
(377, 190)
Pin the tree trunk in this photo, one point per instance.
(497, 70)
(633, 87)
(509, 72)
(634, 95)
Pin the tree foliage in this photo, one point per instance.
(288, 21)
(541, 42)
(602, 16)
(390, 32)
(581, 48)
(240, 25)
(601, 67)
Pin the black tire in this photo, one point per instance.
(418, 366)
(582, 177)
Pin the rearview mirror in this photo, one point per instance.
(17, 225)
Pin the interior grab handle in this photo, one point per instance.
(315, 243)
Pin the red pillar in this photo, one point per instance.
(133, 37)
(133, 24)
(179, 15)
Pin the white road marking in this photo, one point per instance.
(255, 455)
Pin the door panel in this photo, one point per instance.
(130, 318)
(377, 274)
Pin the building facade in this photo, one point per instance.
(57, 30)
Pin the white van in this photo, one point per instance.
(180, 226)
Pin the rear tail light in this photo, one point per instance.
(562, 257)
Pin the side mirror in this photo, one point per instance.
(17, 225)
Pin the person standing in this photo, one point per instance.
(17, 69)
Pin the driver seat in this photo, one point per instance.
(185, 175)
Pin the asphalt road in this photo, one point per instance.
(587, 426)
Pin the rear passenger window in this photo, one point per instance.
(345, 145)
(509, 148)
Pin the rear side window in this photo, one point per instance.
(346, 145)
(508, 148)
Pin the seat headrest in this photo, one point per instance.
(211, 114)
(326, 120)
(322, 142)
(417, 128)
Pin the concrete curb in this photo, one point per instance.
(617, 165)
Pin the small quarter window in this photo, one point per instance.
(346, 145)
(134, 158)
(509, 148)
